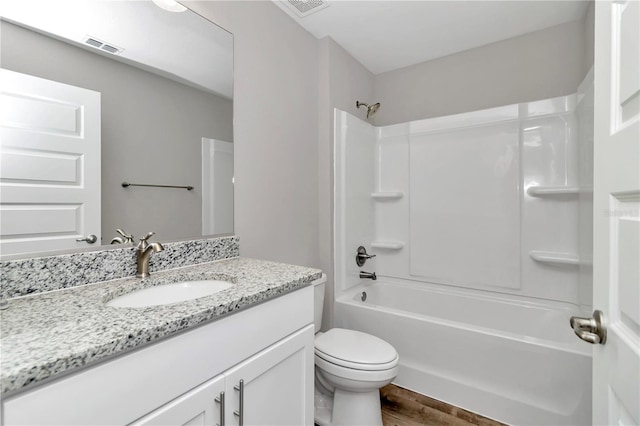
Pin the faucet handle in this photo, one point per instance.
(143, 244)
(128, 238)
(362, 256)
(149, 235)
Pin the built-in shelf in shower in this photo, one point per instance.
(550, 191)
(386, 195)
(388, 245)
(554, 257)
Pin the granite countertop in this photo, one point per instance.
(46, 334)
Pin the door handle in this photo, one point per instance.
(240, 412)
(591, 330)
(220, 400)
(89, 239)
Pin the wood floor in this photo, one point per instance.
(402, 407)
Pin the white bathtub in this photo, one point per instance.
(514, 361)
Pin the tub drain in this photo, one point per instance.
(364, 296)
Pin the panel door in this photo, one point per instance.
(616, 270)
(49, 164)
(277, 384)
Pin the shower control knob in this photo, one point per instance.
(362, 256)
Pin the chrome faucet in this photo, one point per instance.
(368, 275)
(143, 253)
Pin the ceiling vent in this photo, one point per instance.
(303, 8)
(99, 44)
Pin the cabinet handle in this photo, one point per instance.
(240, 413)
(220, 400)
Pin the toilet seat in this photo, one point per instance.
(355, 365)
(355, 350)
(355, 375)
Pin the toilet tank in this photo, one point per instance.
(318, 301)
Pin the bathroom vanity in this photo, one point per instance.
(242, 355)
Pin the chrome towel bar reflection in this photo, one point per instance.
(127, 184)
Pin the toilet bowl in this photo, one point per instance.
(350, 368)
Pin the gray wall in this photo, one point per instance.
(538, 65)
(589, 29)
(151, 132)
(342, 81)
(287, 84)
(276, 130)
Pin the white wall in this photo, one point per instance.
(276, 130)
(539, 65)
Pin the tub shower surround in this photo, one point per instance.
(28, 276)
(46, 334)
(473, 219)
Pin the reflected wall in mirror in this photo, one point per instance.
(97, 93)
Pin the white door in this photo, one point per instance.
(277, 384)
(217, 187)
(616, 363)
(49, 164)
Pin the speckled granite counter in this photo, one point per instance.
(50, 333)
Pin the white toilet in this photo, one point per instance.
(351, 367)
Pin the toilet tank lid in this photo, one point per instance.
(355, 346)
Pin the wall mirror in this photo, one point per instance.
(99, 93)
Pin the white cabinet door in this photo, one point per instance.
(616, 217)
(201, 406)
(275, 387)
(277, 384)
(50, 164)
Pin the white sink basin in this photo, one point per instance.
(169, 293)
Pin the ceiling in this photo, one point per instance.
(181, 46)
(387, 35)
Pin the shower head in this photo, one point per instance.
(371, 109)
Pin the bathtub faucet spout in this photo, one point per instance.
(368, 275)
